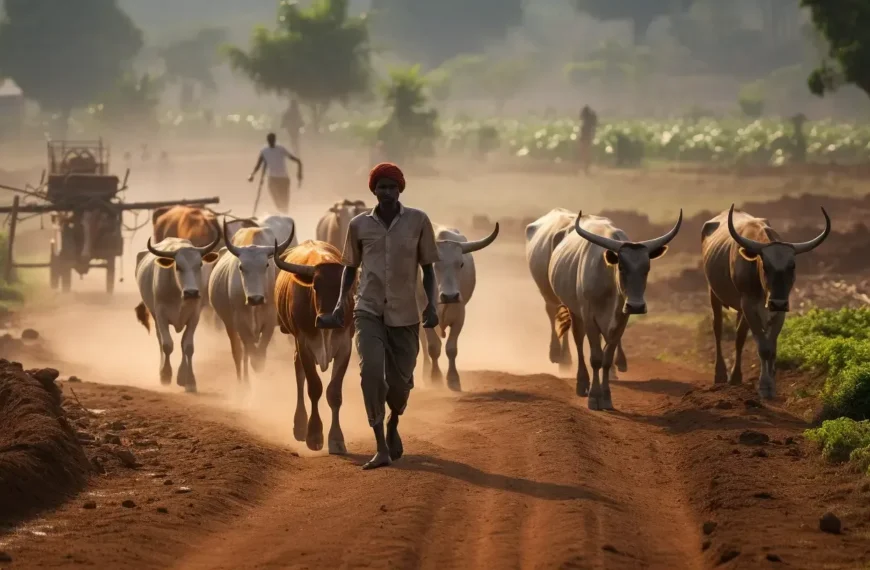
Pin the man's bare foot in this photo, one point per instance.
(381, 459)
(394, 442)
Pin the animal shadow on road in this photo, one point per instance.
(678, 421)
(498, 482)
(504, 396)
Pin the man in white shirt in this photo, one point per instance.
(272, 158)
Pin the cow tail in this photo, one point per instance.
(563, 321)
(143, 316)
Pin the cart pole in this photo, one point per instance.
(259, 190)
(13, 222)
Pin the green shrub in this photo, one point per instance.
(837, 344)
(843, 440)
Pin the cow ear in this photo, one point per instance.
(164, 262)
(660, 252)
(747, 255)
(210, 257)
(611, 258)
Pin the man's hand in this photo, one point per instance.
(251, 178)
(335, 320)
(430, 317)
(299, 179)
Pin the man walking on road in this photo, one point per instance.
(388, 245)
(272, 157)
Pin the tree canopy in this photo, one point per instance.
(433, 31)
(190, 61)
(320, 55)
(64, 55)
(846, 27)
(641, 13)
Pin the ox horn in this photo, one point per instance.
(228, 242)
(158, 253)
(749, 245)
(605, 242)
(658, 243)
(306, 271)
(814, 243)
(279, 248)
(472, 246)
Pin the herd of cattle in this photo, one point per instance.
(591, 276)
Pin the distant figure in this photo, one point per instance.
(588, 124)
(292, 123)
(799, 146)
(272, 158)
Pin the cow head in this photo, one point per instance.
(188, 263)
(346, 210)
(632, 259)
(447, 270)
(254, 263)
(324, 278)
(777, 260)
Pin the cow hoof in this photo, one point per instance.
(565, 366)
(735, 380)
(166, 381)
(453, 384)
(190, 388)
(583, 389)
(337, 447)
(314, 442)
(300, 425)
(595, 403)
(622, 366)
(605, 403)
(766, 392)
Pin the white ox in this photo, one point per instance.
(170, 280)
(242, 293)
(332, 227)
(600, 278)
(456, 278)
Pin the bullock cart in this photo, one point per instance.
(86, 212)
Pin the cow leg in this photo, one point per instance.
(610, 348)
(578, 331)
(451, 347)
(300, 418)
(621, 361)
(236, 348)
(737, 370)
(596, 359)
(166, 348)
(773, 330)
(314, 436)
(721, 375)
(756, 325)
(559, 352)
(433, 343)
(258, 360)
(334, 399)
(186, 377)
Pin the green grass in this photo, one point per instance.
(844, 439)
(836, 344)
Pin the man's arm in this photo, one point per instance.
(351, 258)
(430, 286)
(298, 162)
(260, 162)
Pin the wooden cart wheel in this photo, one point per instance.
(53, 270)
(110, 276)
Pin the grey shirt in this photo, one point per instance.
(389, 258)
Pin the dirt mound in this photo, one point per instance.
(41, 460)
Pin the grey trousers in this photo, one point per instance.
(387, 359)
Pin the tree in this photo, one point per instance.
(641, 13)
(504, 79)
(846, 27)
(132, 101)
(319, 55)
(190, 62)
(433, 31)
(411, 126)
(63, 55)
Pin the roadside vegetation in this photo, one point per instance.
(835, 344)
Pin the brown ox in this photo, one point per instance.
(749, 269)
(308, 286)
(197, 225)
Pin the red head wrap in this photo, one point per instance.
(386, 170)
